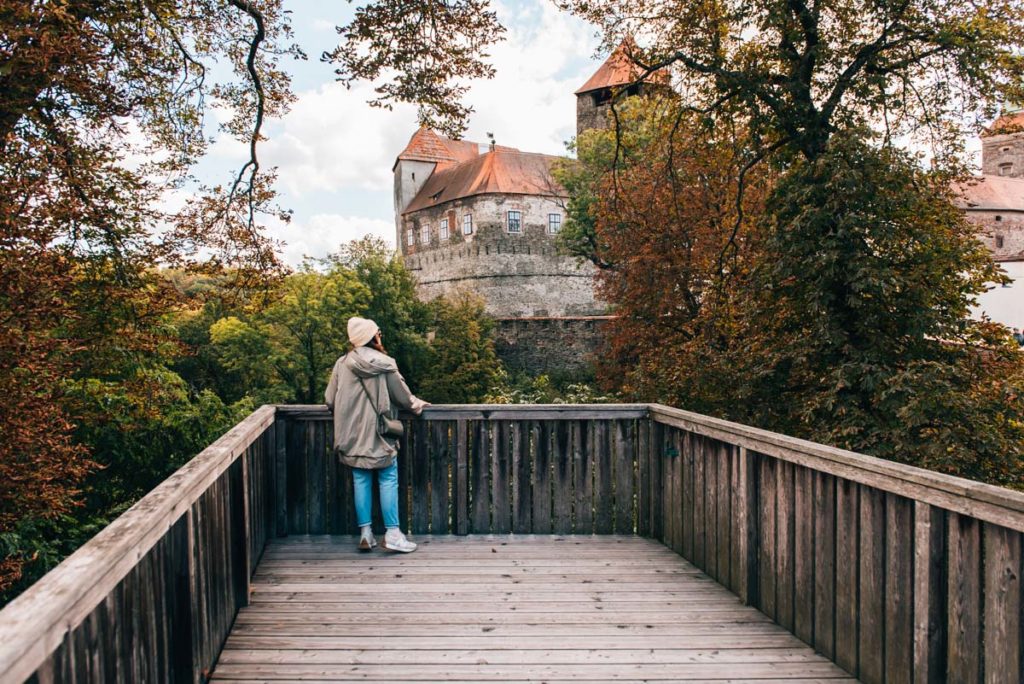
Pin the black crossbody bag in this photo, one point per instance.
(386, 427)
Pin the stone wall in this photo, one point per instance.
(1003, 155)
(519, 275)
(1001, 231)
(550, 345)
(589, 114)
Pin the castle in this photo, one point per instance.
(485, 217)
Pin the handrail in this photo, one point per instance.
(983, 501)
(34, 624)
(492, 411)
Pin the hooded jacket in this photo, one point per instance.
(355, 421)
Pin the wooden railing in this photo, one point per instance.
(897, 574)
(152, 597)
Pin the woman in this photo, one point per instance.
(365, 383)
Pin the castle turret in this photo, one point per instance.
(594, 98)
(1002, 145)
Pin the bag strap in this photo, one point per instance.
(369, 398)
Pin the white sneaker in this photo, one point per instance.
(367, 541)
(394, 540)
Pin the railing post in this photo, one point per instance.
(746, 527)
(461, 511)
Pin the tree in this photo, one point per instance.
(802, 69)
(462, 365)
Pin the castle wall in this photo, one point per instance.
(549, 345)
(519, 275)
(1002, 231)
(588, 114)
(1000, 150)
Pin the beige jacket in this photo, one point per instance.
(355, 422)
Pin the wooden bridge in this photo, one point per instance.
(584, 543)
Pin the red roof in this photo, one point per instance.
(992, 192)
(619, 70)
(503, 171)
(1007, 123)
(426, 145)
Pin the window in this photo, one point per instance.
(515, 222)
(1005, 169)
(425, 234)
(999, 241)
(444, 229)
(467, 224)
(410, 237)
(554, 223)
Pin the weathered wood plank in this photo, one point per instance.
(522, 467)
(317, 477)
(657, 466)
(603, 479)
(583, 473)
(624, 466)
(460, 510)
(743, 563)
(930, 591)
(480, 478)
(846, 567)
(298, 472)
(501, 471)
(785, 546)
(804, 513)
(824, 563)
(563, 479)
(440, 468)
(767, 536)
(643, 482)
(541, 433)
(686, 497)
(709, 499)
(1002, 610)
(871, 623)
(724, 496)
(420, 478)
(899, 590)
(965, 606)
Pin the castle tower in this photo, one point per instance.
(1002, 146)
(593, 99)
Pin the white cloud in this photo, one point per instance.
(323, 234)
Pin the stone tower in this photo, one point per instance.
(1002, 146)
(593, 99)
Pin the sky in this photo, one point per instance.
(334, 153)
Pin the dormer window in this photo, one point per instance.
(515, 222)
(444, 229)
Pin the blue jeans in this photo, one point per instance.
(362, 482)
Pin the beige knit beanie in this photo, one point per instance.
(361, 330)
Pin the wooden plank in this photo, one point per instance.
(685, 495)
(643, 473)
(804, 512)
(871, 631)
(707, 501)
(767, 536)
(744, 545)
(317, 478)
(440, 467)
(624, 465)
(965, 601)
(522, 466)
(480, 478)
(281, 477)
(658, 482)
(987, 502)
(419, 482)
(846, 581)
(785, 549)
(1002, 611)
(564, 494)
(298, 471)
(541, 434)
(583, 472)
(460, 511)
(492, 411)
(899, 590)
(501, 470)
(824, 562)
(723, 508)
(930, 587)
(603, 482)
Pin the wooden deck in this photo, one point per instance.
(509, 608)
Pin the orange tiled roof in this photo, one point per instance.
(503, 171)
(1007, 123)
(992, 192)
(620, 69)
(426, 145)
